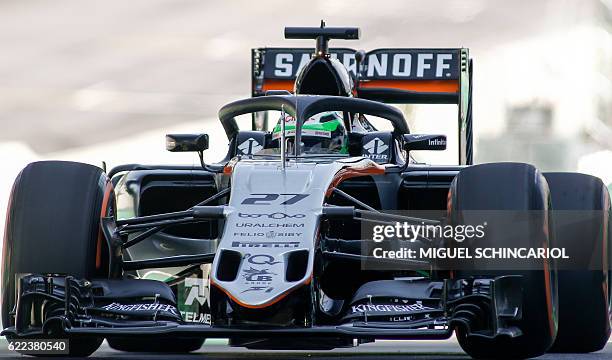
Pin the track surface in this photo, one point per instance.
(391, 350)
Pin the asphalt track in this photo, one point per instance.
(389, 350)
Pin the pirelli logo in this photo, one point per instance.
(383, 64)
(265, 244)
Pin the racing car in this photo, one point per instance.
(271, 247)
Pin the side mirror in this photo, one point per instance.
(423, 142)
(186, 142)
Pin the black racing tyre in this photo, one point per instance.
(53, 226)
(170, 345)
(581, 218)
(495, 193)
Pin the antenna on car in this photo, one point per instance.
(322, 35)
(359, 59)
(283, 144)
(322, 42)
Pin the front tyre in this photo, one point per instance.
(53, 227)
(581, 218)
(501, 193)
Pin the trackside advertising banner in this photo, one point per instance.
(381, 64)
(487, 240)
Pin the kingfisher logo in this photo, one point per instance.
(376, 149)
(394, 308)
(250, 147)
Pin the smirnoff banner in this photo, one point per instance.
(383, 64)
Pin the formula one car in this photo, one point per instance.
(267, 247)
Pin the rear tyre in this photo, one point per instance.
(156, 344)
(581, 219)
(504, 189)
(53, 226)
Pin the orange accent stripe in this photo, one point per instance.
(277, 85)
(371, 168)
(548, 285)
(274, 301)
(426, 86)
(105, 201)
(228, 169)
(549, 304)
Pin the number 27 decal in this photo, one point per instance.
(269, 199)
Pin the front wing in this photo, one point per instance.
(64, 306)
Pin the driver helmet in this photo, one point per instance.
(323, 133)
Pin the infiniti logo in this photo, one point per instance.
(437, 142)
(276, 215)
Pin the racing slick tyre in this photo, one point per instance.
(513, 200)
(581, 219)
(53, 227)
(159, 345)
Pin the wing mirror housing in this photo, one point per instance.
(423, 142)
(186, 142)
